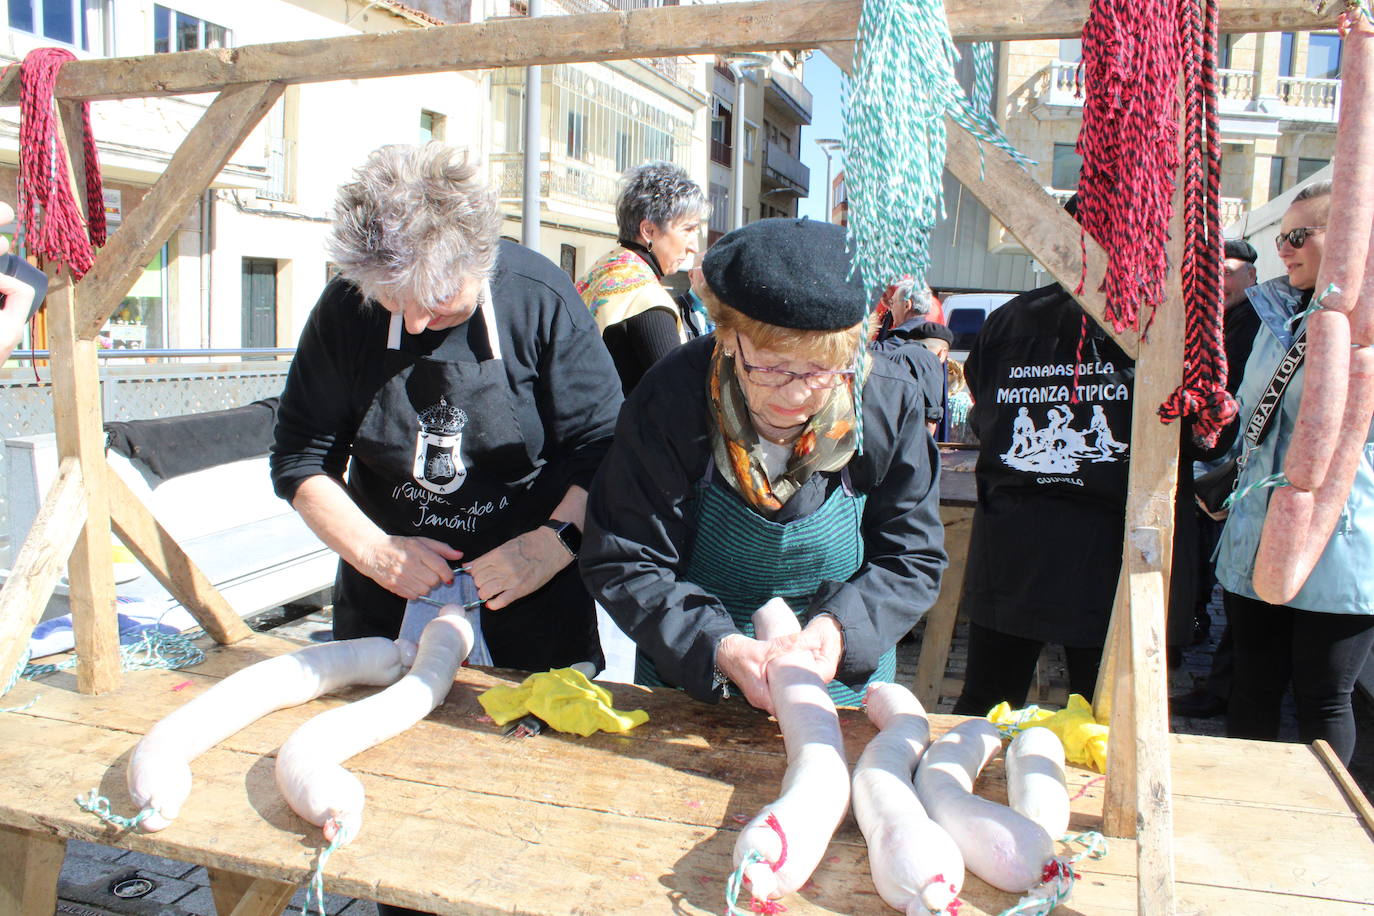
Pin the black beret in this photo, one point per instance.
(790, 273)
(932, 329)
(1241, 250)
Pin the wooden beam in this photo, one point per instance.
(162, 555)
(1038, 222)
(206, 150)
(76, 415)
(1349, 788)
(28, 883)
(667, 31)
(40, 563)
(244, 895)
(1153, 778)
(77, 422)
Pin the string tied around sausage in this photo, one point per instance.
(1273, 480)
(99, 805)
(1318, 303)
(315, 888)
(736, 880)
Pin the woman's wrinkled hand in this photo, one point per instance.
(818, 647)
(744, 661)
(408, 566)
(519, 567)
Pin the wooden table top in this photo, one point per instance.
(461, 821)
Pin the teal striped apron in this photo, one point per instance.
(745, 559)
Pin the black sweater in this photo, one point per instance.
(565, 385)
(639, 540)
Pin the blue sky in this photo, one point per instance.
(827, 121)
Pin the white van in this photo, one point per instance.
(965, 314)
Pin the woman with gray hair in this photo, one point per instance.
(660, 212)
(462, 386)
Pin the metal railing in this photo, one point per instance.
(250, 352)
(281, 157)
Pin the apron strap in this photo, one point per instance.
(397, 326)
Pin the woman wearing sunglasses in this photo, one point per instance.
(1322, 637)
(736, 476)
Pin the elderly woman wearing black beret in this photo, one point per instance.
(737, 476)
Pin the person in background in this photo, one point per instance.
(903, 336)
(1052, 413)
(22, 288)
(459, 383)
(1209, 698)
(735, 478)
(659, 216)
(1321, 639)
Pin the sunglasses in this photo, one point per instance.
(1296, 237)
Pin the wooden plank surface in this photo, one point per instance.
(157, 550)
(459, 820)
(206, 149)
(40, 562)
(661, 32)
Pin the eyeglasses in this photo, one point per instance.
(1296, 237)
(778, 378)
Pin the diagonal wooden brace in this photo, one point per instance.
(40, 563)
(201, 156)
(162, 555)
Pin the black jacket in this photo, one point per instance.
(639, 540)
(1045, 550)
(898, 345)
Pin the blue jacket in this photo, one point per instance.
(1343, 580)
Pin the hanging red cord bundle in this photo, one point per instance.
(50, 221)
(1129, 145)
(1203, 392)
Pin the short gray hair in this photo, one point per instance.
(661, 193)
(414, 224)
(1314, 190)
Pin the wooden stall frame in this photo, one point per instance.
(76, 516)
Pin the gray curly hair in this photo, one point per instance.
(414, 224)
(661, 193)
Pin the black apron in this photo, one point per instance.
(439, 453)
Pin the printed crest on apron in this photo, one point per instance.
(438, 443)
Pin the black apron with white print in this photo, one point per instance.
(439, 453)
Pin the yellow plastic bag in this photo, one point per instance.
(565, 699)
(1085, 740)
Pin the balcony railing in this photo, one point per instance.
(785, 170)
(281, 160)
(791, 92)
(562, 179)
(1316, 99)
(1236, 86)
(721, 152)
(1059, 84)
(1233, 209)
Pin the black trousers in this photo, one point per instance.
(1321, 654)
(387, 909)
(1000, 667)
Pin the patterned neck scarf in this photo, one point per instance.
(826, 442)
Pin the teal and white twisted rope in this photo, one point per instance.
(895, 134)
